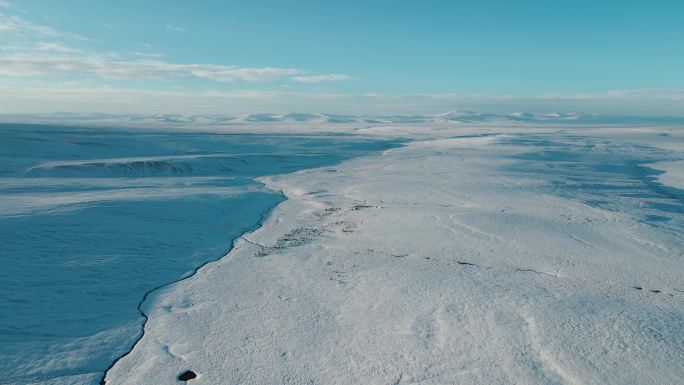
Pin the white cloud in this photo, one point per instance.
(4, 4)
(321, 78)
(223, 73)
(633, 94)
(142, 45)
(18, 27)
(149, 55)
(57, 47)
(174, 28)
(41, 51)
(23, 64)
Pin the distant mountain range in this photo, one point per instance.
(458, 117)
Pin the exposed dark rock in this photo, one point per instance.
(359, 207)
(466, 263)
(187, 375)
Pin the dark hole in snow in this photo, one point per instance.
(187, 375)
(656, 291)
(637, 287)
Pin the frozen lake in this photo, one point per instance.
(91, 219)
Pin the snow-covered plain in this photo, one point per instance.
(673, 173)
(487, 249)
(478, 253)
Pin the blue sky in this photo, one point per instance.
(610, 56)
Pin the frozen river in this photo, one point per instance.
(93, 219)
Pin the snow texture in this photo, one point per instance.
(673, 173)
(477, 254)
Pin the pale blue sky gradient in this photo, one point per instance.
(610, 56)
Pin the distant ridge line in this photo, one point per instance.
(458, 117)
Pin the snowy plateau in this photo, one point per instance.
(314, 249)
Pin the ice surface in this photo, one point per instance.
(473, 255)
(673, 173)
(92, 219)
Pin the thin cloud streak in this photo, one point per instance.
(174, 28)
(22, 65)
(41, 51)
(18, 28)
(634, 94)
(321, 78)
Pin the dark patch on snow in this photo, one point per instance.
(535, 271)
(359, 207)
(466, 263)
(187, 375)
(294, 238)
